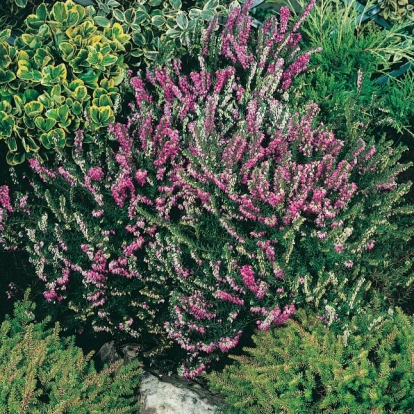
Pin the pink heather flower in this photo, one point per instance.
(268, 249)
(338, 248)
(349, 264)
(279, 273)
(247, 274)
(119, 189)
(286, 81)
(84, 248)
(339, 223)
(227, 297)
(141, 177)
(23, 201)
(196, 306)
(64, 279)
(192, 373)
(50, 295)
(225, 344)
(41, 171)
(322, 234)
(299, 65)
(257, 234)
(208, 348)
(97, 213)
(370, 244)
(262, 289)
(305, 14)
(284, 15)
(5, 198)
(96, 174)
(387, 186)
(276, 317)
(66, 175)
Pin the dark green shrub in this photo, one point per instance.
(304, 367)
(41, 372)
(14, 12)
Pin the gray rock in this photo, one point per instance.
(174, 396)
(160, 394)
(108, 353)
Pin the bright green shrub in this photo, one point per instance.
(61, 75)
(304, 367)
(341, 78)
(41, 372)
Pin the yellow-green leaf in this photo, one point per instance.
(6, 124)
(44, 124)
(33, 109)
(60, 12)
(15, 158)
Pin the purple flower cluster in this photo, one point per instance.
(5, 201)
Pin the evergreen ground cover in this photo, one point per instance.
(250, 175)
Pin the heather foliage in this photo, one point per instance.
(217, 207)
(304, 367)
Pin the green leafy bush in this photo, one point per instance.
(41, 372)
(14, 12)
(397, 10)
(61, 75)
(157, 24)
(304, 367)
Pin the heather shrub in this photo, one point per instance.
(42, 372)
(304, 367)
(217, 207)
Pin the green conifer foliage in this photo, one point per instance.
(342, 77)
(304, 367)
(40, 372)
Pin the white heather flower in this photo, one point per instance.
(42, 224)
